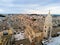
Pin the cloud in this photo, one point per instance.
(38, 9)
(39, 6)
(2, 11)
(55, 9)
(31, 11)
(7, 1)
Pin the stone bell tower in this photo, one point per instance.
(48, 26)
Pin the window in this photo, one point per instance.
(45, 30)
(45, 26)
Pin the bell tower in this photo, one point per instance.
(48, 26)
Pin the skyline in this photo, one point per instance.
(29, 6)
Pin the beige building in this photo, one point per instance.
(33, 35)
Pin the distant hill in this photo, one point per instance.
(1, 15)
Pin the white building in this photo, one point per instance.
(19, 36)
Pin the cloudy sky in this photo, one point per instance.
(30, 6)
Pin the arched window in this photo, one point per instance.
(45, 26)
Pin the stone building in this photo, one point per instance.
(48, 26)
(56, 24)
